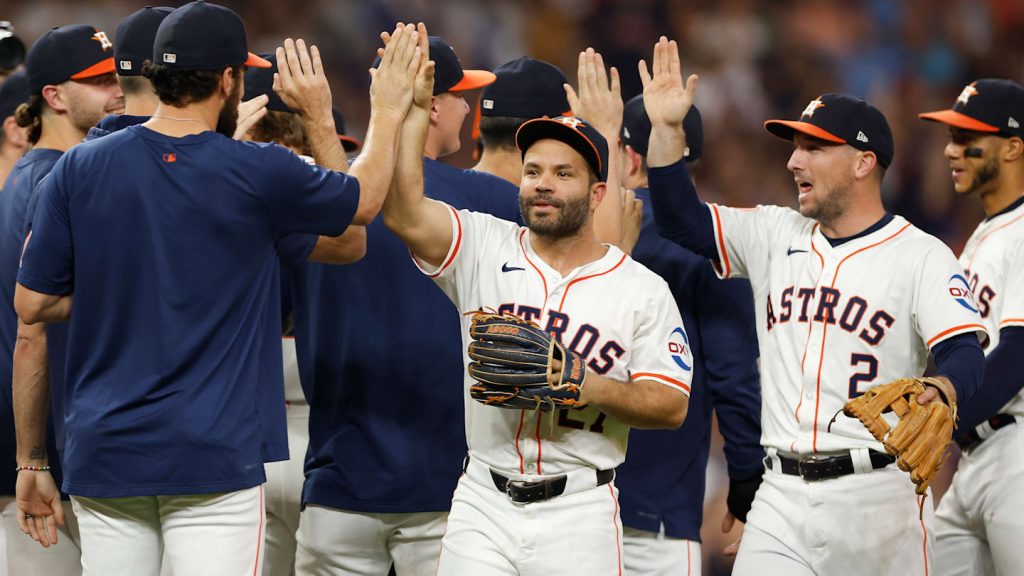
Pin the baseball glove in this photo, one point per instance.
(519, 366)
(920, 438)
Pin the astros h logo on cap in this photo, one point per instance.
(74, 52)
(990, 105)
(575, 132)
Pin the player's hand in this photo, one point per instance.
(393, 81)
(728, 521)
(632, 220)
(666, 99)
(301, 83)
(600, 97)
(249, 113)
(931, 393)
(423, 91)
(39, 508)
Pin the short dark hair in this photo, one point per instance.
(30, 115)
(284, 128)
(497, 132)
(135, 85)
(183, 87)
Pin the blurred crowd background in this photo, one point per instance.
(757, 59)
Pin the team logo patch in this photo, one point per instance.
(811, 107)
(679, 349)
(104, 41)
(960, 290)
(966, 94)
(573, 123)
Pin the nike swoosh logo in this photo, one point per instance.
(506, 268)
(790, 252)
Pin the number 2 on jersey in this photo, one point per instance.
(867, 374)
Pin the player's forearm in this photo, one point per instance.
(639, 404)
(666, 146)
(31, 394)
(323, 142)
(679, 214)
(1003, 380)
(375, 166)
(345, 249)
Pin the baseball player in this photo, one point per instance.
(979, 527)
(71, 82)
(282, 126)
(167, 431)
(662, 498)
(846, 296)
(524, 89)
(381, 468)
(13, 142)
(536, 495)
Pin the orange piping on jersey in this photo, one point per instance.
(458, 244)
(954, 329)
(824, 327)
(1012, 321)
(924, 544)
(615, 523)
(582, 278)
(536, 432)
(522, 416)
(970, 263)
(259, 541)
(800, 399)
(522, 247)
(673, 381)
(727, 269)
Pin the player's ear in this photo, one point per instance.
(435, 112)
(597, 192)
(55, 97)
(1013, 149)
(15, 134)
(864, 165)
(227, 82)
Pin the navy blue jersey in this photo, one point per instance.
(662, 479)
(112, 123)
(174, 354)
(380, 358)
(14, 202)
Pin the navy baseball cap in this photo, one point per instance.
(842, 119)
(13, 93)
(260, 81)
(133, 41)
(448, 73)
(74, 52)
(349, 143)
(203, 36)
(990, 105)
(526, 88)
(570, 130)
(636, 129)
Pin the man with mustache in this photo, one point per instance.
(157, 242)
(536, 480)
(979, 527)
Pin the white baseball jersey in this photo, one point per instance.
(993, 261)
(618, 315)
(833, 322)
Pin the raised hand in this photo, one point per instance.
(393, 81)
(300, 81)
(666, 99)
(249, 113)
(599, 100)
(423, 92)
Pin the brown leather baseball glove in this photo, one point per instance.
(923, 433)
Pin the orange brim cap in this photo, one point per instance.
(349, 143)
(785, 128)
(473, 79)
(254, 61)
(100, 68)
(958, 120)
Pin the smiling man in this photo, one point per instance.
(979, 526)
(847, 296)
(534, 464)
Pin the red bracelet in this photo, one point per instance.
(33, 468)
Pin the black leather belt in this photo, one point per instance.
(813, 468)
(970, 439)
(524, 492)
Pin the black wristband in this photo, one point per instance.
(741, 495)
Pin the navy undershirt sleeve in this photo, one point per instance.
(678, 213)
(1004, 378)
(961, 360)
